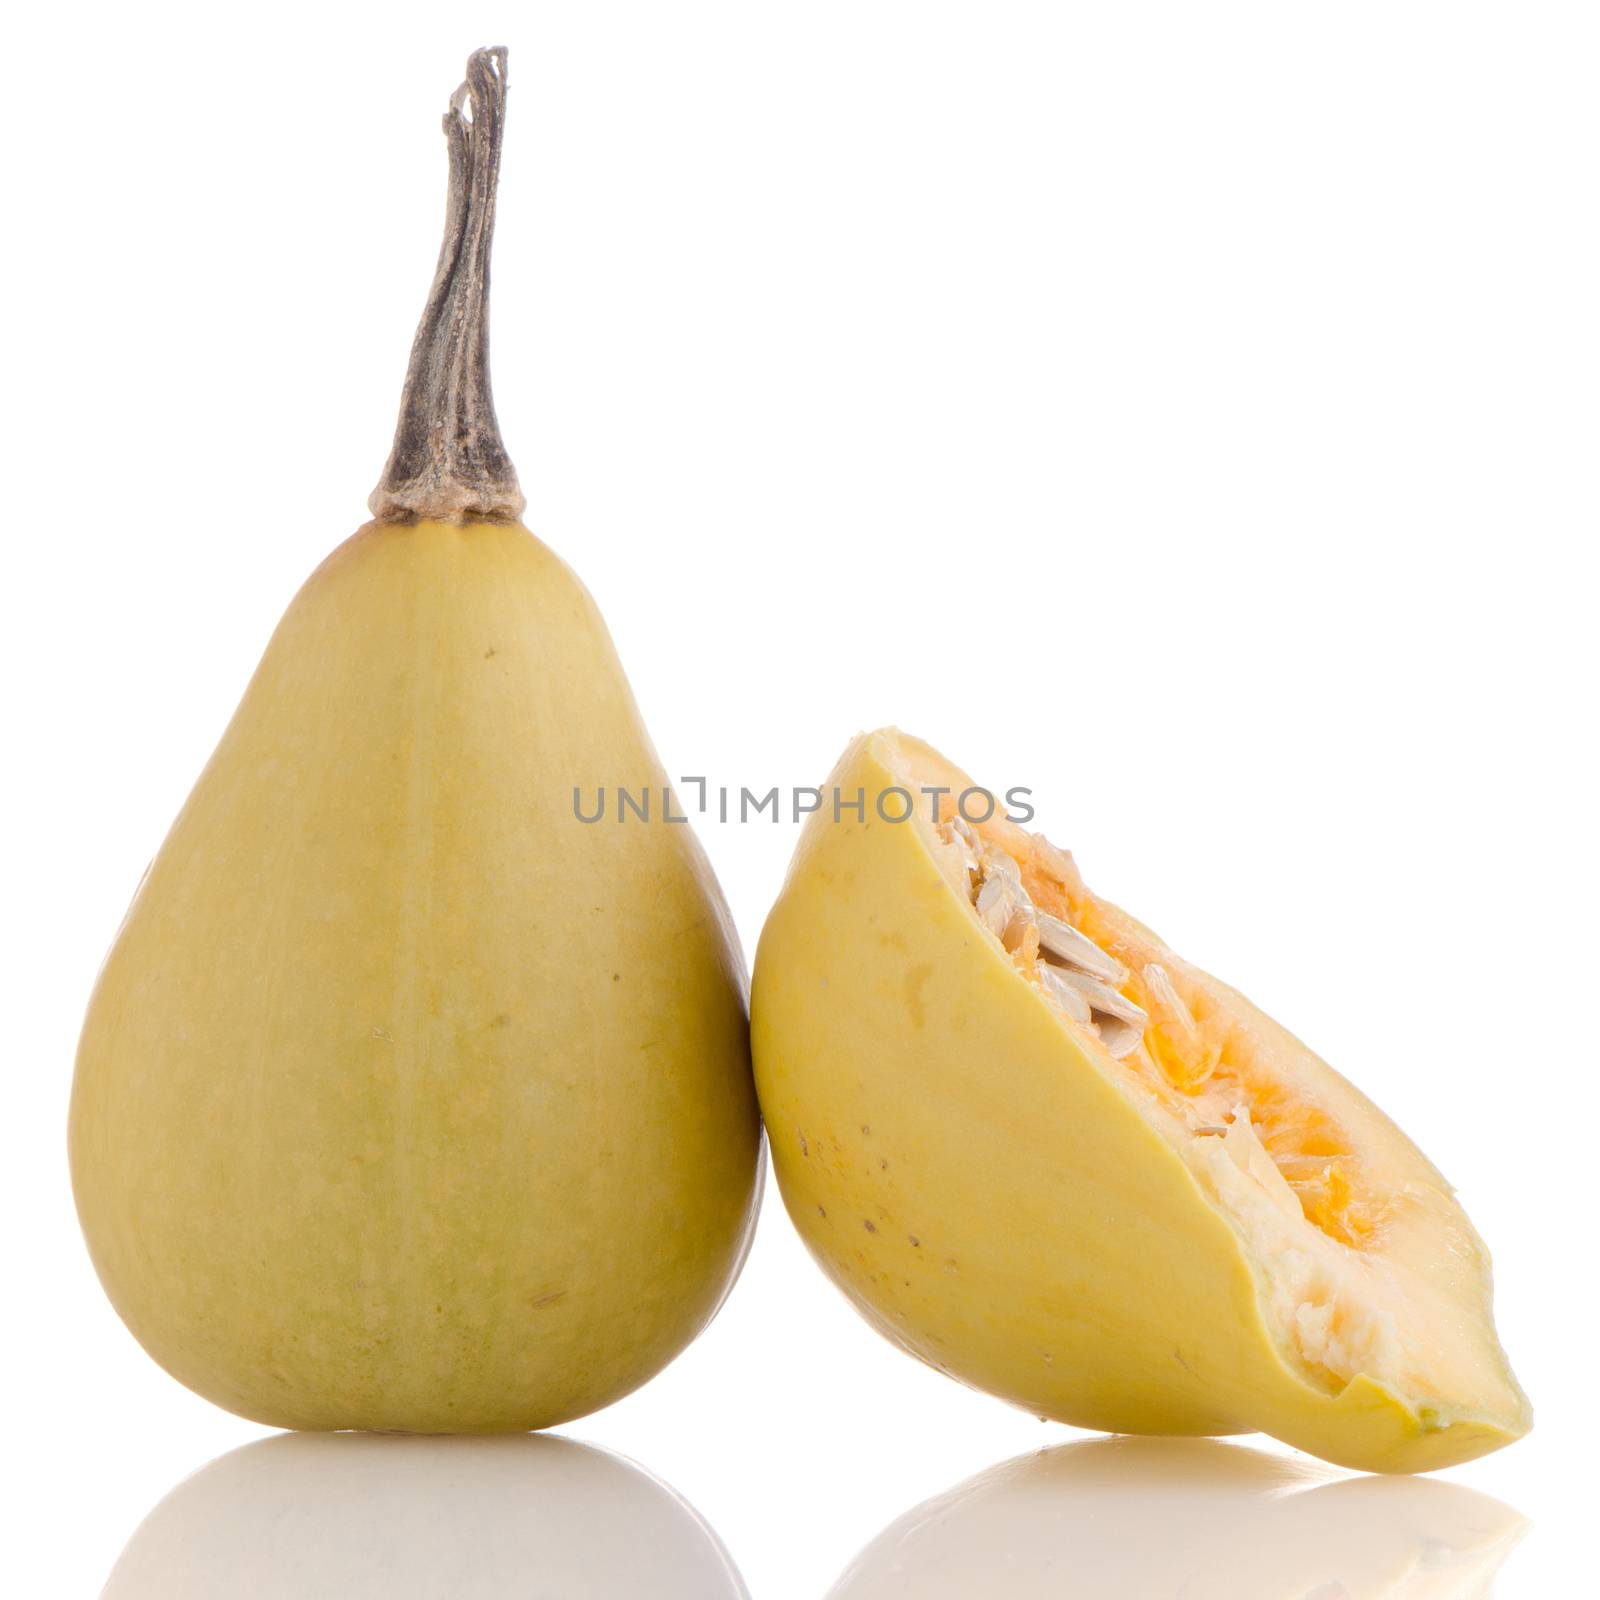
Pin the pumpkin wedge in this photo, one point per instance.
(1046, 1155)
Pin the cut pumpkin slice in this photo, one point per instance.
(1048, 1156)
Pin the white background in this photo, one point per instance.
(1188, 412)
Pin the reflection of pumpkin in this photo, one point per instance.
(1152, 1519)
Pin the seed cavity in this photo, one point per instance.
(1000, 902)
(1180, 1047)
(959, 836)
(1070, 1000)
(1120, 1022)
(1155, 1030)
(1078, 978)
(1056, 861)
(1071, 948)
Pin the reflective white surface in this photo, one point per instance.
(352, 1516)
(1186, 1519)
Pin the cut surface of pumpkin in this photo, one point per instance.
(1045, 1153)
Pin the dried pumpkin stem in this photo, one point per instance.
(448, 462)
